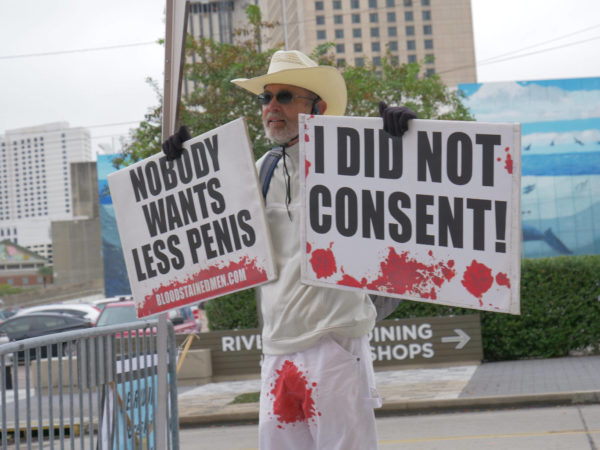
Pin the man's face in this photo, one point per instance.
(281, 120)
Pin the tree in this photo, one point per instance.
(215, 100)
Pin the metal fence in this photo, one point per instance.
(89, 389)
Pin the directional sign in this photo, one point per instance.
(417, 341)
(461, 337)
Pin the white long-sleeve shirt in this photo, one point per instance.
(296, 315)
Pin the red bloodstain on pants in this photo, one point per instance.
(293, 400)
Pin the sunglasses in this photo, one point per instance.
(283, 97)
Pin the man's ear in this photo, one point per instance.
(321, 106)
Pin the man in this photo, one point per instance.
(318, 389)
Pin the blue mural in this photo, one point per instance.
(116, 282)
(560, 127)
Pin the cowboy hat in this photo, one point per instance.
(296, 69)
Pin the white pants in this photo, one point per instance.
(320, 398)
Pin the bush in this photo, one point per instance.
(560, 311)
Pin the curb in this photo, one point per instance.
(420, 406)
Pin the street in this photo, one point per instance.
(559, 428)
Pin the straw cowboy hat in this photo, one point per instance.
(296, 69)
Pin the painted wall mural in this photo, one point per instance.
(115, 274)
(560, 185)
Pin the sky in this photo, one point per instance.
(46, 77)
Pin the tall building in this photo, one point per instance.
(35, 183)
(438, 33)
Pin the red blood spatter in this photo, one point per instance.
(204, 284)
(308, 247)
(502, 279)
(507, 149)
(306, 167)
(292, 400)
(477, 279)
(306, 137)
(498, 159)
(508, 164)
(401, 274)
(323, 262)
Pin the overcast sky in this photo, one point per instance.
(40, 83)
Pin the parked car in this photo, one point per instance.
(32, 325)
(80, 310)
(100, 304)
(6, 313)
(125, 311)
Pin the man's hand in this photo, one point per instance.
(395, 118)
(173, 146)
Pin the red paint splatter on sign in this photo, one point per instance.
(204, 284)
(401, 274)
(306, 167)
(508, 164)
(323, 262)
(308, 247)
(292, 400)
(306, 137)
(477, 279)
(502, 279)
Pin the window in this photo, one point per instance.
(391, 17)
(412, 58)
(426, 15)
(390, 3)
(374, 32)
(355, 18)
(339, 34)
(359, 62)
(320, 20)
(372, 3)
(430, 72)
(321, 34)
(407, 2)
(377, 60)
(337, 19)
(428, 44)
(339, 48)
(429, 58)
(373, 18)
(354, 4)
(427, 29)
(375, 46)
(393, 46)
(337, 4)
(410, 45)
(410, 30)
(395, 60)
(319, 6)
(408, 16)
(356, 32)
(392, 31)
(425, 2)
(358, 47)
(341, 62)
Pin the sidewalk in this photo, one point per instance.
(502, 384)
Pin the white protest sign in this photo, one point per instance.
(433, 217)
(195, 228)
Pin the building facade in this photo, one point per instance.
(437, 33)
(35, 181)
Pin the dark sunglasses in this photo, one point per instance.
(283, 97)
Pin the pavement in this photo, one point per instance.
(557, 381)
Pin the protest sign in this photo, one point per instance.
(433, 217)
(194, 228)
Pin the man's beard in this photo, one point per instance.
(281, 135)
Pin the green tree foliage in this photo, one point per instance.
(215, 101)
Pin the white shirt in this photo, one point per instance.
(296, 315)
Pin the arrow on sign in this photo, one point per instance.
(462, 338)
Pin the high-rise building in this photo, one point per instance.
(438, 33)
(35, 184)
